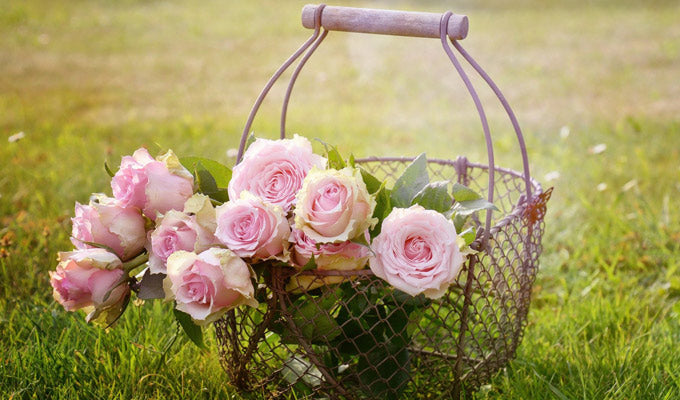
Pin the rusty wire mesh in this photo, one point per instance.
(455, 343)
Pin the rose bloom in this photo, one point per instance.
(251, 227)
(176, 231)
(343, 256)
(334, 205)
(417, 252)
(153, 186)
(104, 221)
(82, 279)
(207, 285)
(274, 170)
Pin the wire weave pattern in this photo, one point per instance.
(458, 342)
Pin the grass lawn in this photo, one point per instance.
(595, 85)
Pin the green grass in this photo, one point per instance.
(88, 81)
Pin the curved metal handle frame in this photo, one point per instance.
(447, 40)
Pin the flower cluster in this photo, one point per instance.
(200, 234)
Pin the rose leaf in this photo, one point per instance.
(221, 173)
(373, 184)
(335, 160)
(463, 193)
(435, 196)
(412, 181)
(193, 331)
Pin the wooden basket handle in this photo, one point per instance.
(385, 22)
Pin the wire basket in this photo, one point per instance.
(455, 343)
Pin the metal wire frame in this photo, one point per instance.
(495, 285)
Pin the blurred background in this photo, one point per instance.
(595, 85)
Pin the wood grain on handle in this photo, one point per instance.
(385, 22)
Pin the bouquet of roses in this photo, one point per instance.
(202, 235)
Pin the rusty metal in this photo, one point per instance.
(457, 342)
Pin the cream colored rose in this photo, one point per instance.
(207, 285)
(334, 205)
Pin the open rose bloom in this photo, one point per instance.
(253, 228)
(334, 205)
(417, 252)
(208, 284)
(274, 170)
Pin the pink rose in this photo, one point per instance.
(207, 285)
(251, 227)
(343, 256)
(340, 256)
(417, 251)
(274, 170)
(153, 186)
(334, 205)
(105, 221)
(82, 280)
(176, 231)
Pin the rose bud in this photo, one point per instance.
(207, 285)
(417, 252)
(104, 221)
(334, 205)
(274, 170)
(253, 228)
(154, 186)
(84, 278)
(342, 256)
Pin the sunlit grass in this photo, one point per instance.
(88, 81)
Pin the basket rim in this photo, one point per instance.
(517, 211)
(462, 162)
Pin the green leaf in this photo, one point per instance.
(313, 317)
(221, 195)
(335, 160)
(435, 196)
(459, 221)
(311, 264)
(373, 184)
(469, 235)
(207, 184)
(108, 170)
(385, 370)
(351, 161)
(361, 240)
(383, 208)
(412, 181)
(221, 173)
(463, 193)
(468, 201)
(470, 207)
(206, 181)
(193, 331)
(404, 299)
